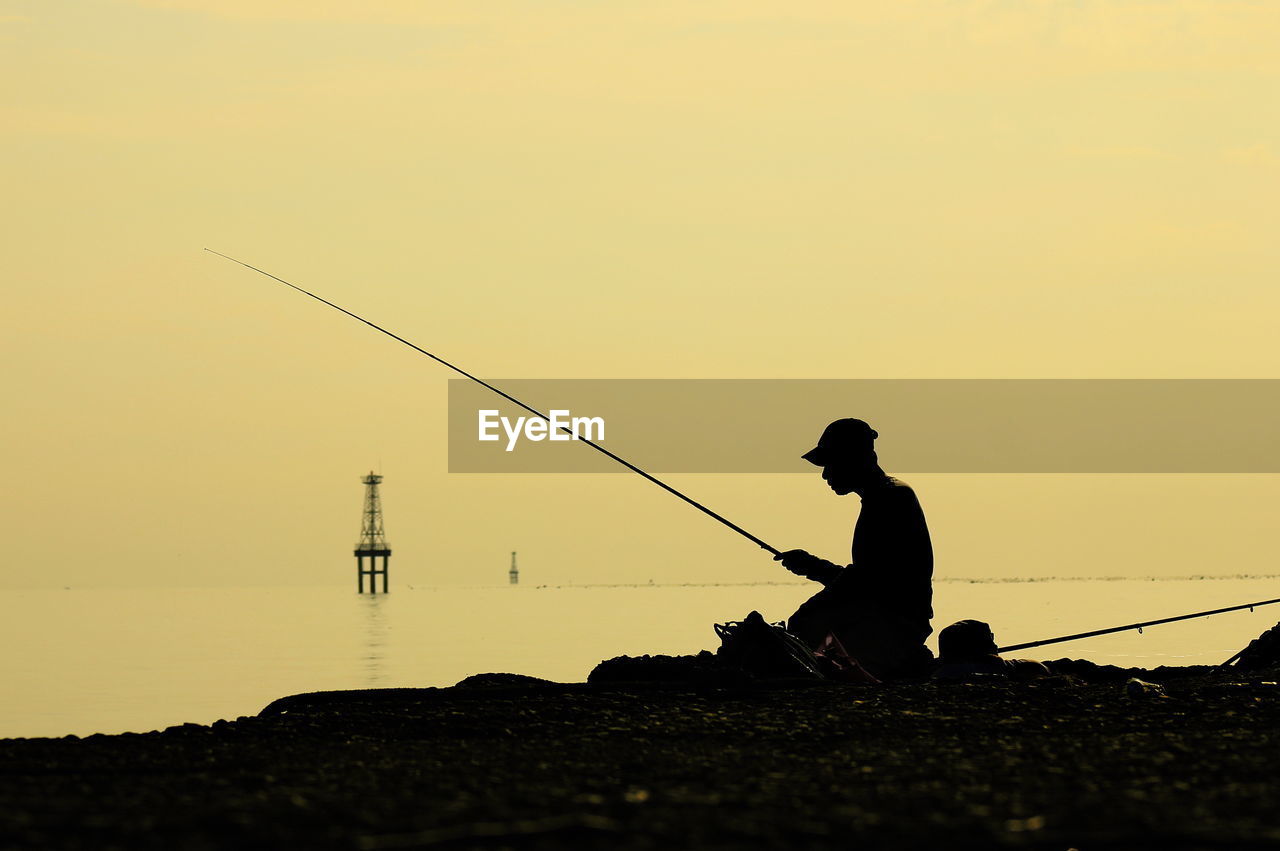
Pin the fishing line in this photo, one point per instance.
(632, 467)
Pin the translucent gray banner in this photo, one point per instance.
(925, 425)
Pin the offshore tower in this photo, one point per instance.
(373, 541)
(513, 574)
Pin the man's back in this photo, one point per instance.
(892, 567)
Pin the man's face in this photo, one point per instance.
(841, 475)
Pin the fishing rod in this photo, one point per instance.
(632, 467)
(1137, 626)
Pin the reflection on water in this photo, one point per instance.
(377, 629)
(144, 659)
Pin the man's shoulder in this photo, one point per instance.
(898, 488)
(898, 493)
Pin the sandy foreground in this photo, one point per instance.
(503, 762)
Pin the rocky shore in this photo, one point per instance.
(508, 762)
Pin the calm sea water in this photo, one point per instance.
(108, 661)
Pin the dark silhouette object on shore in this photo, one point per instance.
(968, 647)
(765, 650)
(373, 541)
(879, 606)
(1262, 653)
(768, 651)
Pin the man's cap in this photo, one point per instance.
(842, 437)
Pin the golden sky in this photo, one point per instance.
(568, 190)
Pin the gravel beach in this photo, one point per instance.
(508, 762)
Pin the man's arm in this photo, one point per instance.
(809, 566)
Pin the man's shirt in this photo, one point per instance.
(891, 576)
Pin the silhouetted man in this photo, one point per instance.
(879, 606)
